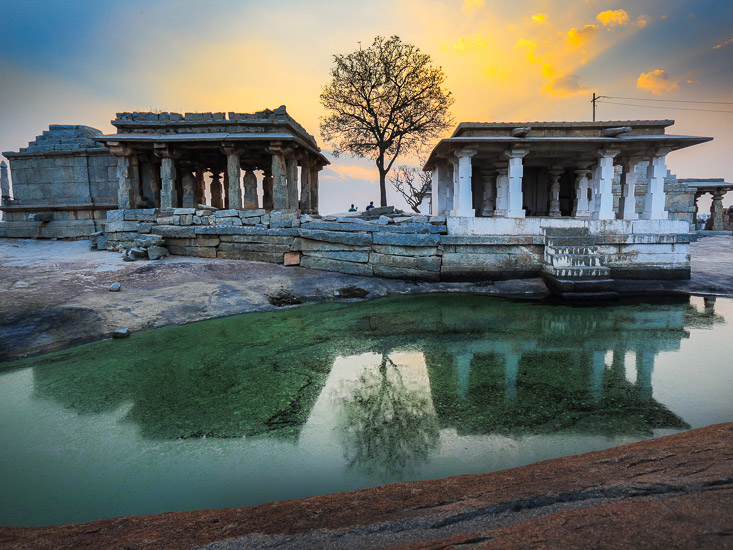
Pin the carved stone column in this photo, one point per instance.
(4, 183)
(716, 210)
(314, 187)
(654, 201)
(581, 205)
(603, 207)
(555, 173)
(279, 179)
(234, 178)
(168, 195)
(305, 186)
(291, 174)
(463, 204)
(443, 190)
(199, 190)
(488, 201)
(627, 204)
(267, 185)
(215, 190)
(126, 195)
(515, 172)
(502, 189)
(250, 190)
(188, 182)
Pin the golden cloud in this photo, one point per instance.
(539, 17)
(578, 37)
(472, 6)
(565, 86)
(657, 82)
(612, 18)
(471, 42)
(723, 44)
(349, 172)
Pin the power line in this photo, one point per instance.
(669, 100)
(665, 107)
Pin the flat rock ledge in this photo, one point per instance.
(669, 492)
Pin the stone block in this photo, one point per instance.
(250, 221)
(415, 228)
(358, 239)
(144, 227)
(273, 239)
(115, 215)
(491, 239)
(229, 230)
(196, 241)
(420, 263)
(291, 258)
(120, 226)
(341, 226)
(183, 211)
(164, 220)
(289, 231)
(284, 223)
(406, 239)
(301, 244)
(198, 251)
(438, 220)
(254, 247)
(325, 264)
(186, 219)
(235, 221)
(341, 255)
(174, 231)
(270, 257)
(147, 215)
(390, 272)
(229, 213)
(256, 213)
(406, 250)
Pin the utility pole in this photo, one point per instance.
(593, 101)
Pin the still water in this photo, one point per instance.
(262, 407)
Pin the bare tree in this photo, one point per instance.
(412, 183)
(382, 101)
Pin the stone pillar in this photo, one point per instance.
(502, 190)
(250, 190)
(555, 172)
(655, 196)
(305, 185)
(279, 182)
(4, 183)
(215, 190)
(234, 177)
(188, 182)
(596, 381)
(716, 210)
(291, 174)
(443, 189)
(199, 191)
(267, 189)
(462, 364)
(463, 202)
(488, 202)
(168, 196)
(627, 205)
(511, 369)
(314, 187)
(644, 370)
(581, 205)
(127, 194)
(603, 199)
(225, 188)
(514, 191)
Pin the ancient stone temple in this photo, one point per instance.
(169, 160)
(64, 183)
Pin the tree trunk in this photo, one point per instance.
(382, 188)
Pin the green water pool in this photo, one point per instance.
(270, 406)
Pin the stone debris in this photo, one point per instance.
(115, 287)
(156, 252)
(121, 333)
(283, 298)
(139, 252)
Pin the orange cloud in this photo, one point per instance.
(539, 17)
(657, 82)
(565, 86)
(471, 42)
(349, 172)
(579, 37)
(723, 44)
(472, 6)
(612, 18)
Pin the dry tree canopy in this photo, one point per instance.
(383, 101)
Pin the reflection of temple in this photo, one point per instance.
(492, 366)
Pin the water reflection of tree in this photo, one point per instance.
(384, 425)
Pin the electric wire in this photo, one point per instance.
(664, 107)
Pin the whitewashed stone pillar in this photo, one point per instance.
(279, 181)
(627, 204)
(463, 202)
(514, 192)
(188, 182)
(502, 190)
(217, 200)
(4, 183)
(234, 178)
(655, 196)
(581, 205)
(291, 167)
(488, 202)
(555, 172)
(250, 191)
(603, 208)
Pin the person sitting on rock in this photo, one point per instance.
(371, 205)
(352, 209)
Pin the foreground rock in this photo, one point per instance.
(671, 492)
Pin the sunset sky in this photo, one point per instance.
(80, 62)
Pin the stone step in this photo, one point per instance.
(573, 260)
(567, 240)
(568, 249)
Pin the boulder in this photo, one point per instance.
(157, 252)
